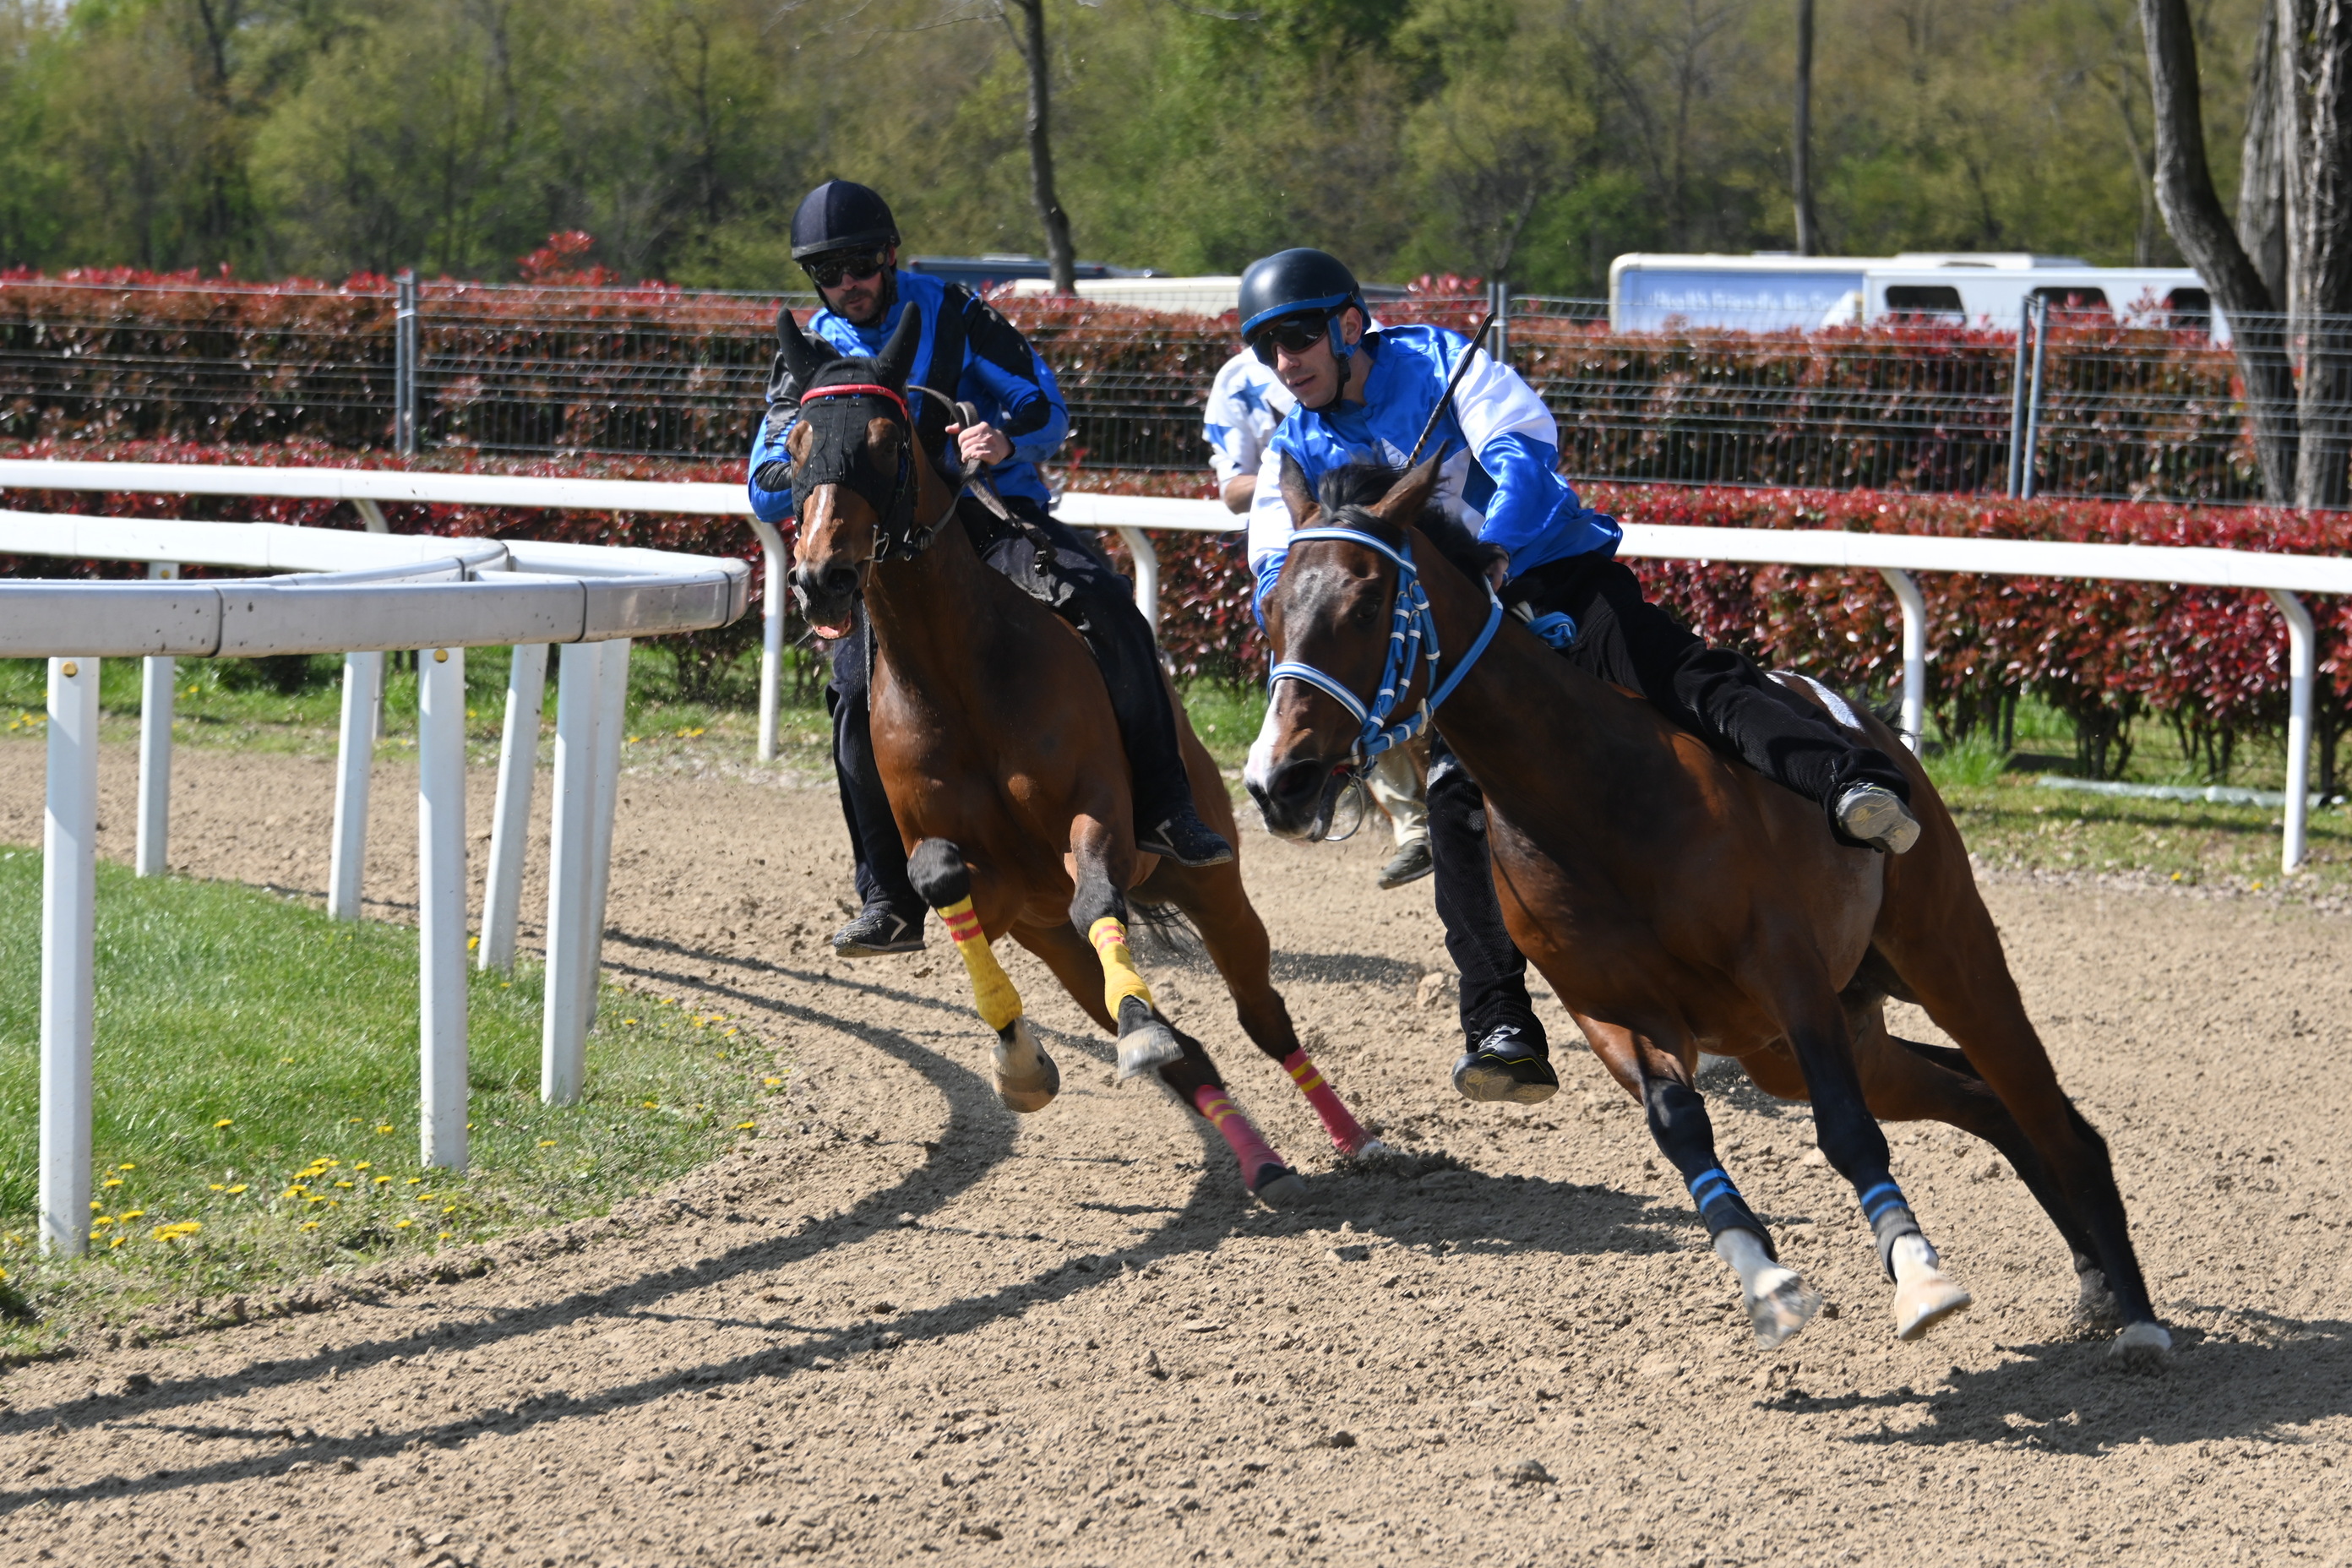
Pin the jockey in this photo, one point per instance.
(1364, 396)
(843, 235)
(1247, 403)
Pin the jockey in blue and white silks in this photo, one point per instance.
(1246, 402)
(1497, 444)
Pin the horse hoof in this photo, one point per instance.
(1920, 1304)
(2096, 1308)
(1026, 1079)
(1279, 1188)
(1370, 1150)
(1153, 1045)
(2142, 1347)
(1778, 1313)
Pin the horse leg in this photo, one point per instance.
(1230, 929)
(1954, 968)
(1194, 1078)
(1778, 1301)
(1849, 1138)
(1099, 908)
(1904, 1080)
(1026, 1079)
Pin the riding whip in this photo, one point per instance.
(1451, 382)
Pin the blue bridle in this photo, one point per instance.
(1412, 638)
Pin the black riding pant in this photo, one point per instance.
(1077, 584)
(1713, 692)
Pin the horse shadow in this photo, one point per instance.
(2062, 1395)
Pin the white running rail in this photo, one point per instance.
(358, 593)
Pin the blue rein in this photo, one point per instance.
(1413, 639)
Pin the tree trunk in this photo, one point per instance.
(2261, 163)
(1061, 255)
(1800, 158)
(2323, 266)
(2192, 210)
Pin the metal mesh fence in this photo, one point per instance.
(2137, 412)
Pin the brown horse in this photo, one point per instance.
(1003, 764)
(1678, 902)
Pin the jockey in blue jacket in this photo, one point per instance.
(1363, 398)
(844, 237)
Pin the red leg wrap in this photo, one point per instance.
(1252, 1150)
(1346, 1131)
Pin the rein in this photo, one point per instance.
(1413, 639)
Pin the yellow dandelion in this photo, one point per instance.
(116, 1241)
(653, 1105)
(224, 1122)
(745, 1126)
(384, 1127)
(101, 1219)
(346, 1184)
(238, 1188)
(630, 1022)
(402, 1223)
(772, 1082)
(218, 1188)
(472, 943)
(364, 1166)
(451, 1209)
(448, 1235)
(129, 1215)
(416, 1180)
(547, 1143)
(382, 1181)
(126, 1167)
(97, 1206)
(286, 1061)
(309, 1225)
(314, 1198)
(111, 1182)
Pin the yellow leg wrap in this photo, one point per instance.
(1120, 977)
(992, 988)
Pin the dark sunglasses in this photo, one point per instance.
(1293, 334)
(827, 272)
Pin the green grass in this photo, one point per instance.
(257, 1088)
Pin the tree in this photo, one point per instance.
(1801, 154)
(2298, 156)
(1029, 38)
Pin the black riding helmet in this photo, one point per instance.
(841, 214)
(1294, 283)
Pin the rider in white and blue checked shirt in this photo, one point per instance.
(1364, 395)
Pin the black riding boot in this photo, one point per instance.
(1078, 584)
(1507, 1057)
(890, 912)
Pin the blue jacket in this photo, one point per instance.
(967, 348)
(1497, 448)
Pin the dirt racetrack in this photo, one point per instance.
(901, 1325)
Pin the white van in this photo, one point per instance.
(1770, 291)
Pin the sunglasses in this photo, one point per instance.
(827, 272)
(1293, 334)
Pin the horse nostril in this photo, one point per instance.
(1297, 783)
(841, 582)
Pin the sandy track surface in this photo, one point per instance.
(902, 1322)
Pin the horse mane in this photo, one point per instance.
(1348, 494)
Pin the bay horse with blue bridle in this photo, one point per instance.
(1678, 902)
(1003, 760)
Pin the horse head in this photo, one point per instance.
(854, 454)
(1331, 612)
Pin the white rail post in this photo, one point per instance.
(771, 631)
(354, 763)
(2028, 482)
(511, 818)
(68, 934)
(2302, 657)
(1147, 572)
(572, 844)
(612, 720)
(441, 904)
(158, 680)
(1915, 653)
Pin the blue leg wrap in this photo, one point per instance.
(1722, 1207)
(1890, 1220)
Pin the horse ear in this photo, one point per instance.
(800, 356)
(1409, 497)
(896, 360)
(1298, 495)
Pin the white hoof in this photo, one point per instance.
(1780, 1307)
(1373, 1148)
(2142, 1347)
(1026, 1079)
(1154, 1044)
(1921, 1302)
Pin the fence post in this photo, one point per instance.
(69, 932)
(159, 677)
(2017, 398)
(572, 836)
(441, 905)
(1498, 299)
(1914, 652)
(355, 763)
(2302, 665)
(771, 630)
(612, 721)
(403, 366)
(510, 818)
(2027, 478)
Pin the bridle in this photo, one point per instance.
(897, 535)
(1412, 643)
